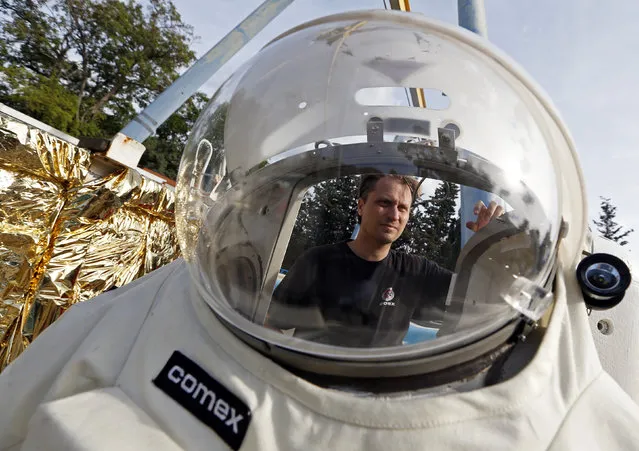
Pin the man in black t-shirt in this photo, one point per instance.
(360, 293)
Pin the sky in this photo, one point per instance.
(581, 52)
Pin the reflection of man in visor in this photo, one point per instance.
(361, 292)
(187, 358)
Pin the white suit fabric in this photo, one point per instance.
(86, 384)
(618, 348)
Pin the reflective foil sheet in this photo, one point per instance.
(66, 237)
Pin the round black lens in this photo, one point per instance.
(604, 280)
(603, 276)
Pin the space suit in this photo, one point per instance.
(183, 357)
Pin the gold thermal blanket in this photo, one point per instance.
(67, 236)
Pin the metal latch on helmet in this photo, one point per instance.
(528, 298)
(375, 130)
(447, 148)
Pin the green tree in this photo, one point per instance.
(433, 231)
(442, 225)
(607, 226)
(328, 214)
(86, 66)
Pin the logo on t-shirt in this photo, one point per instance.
(387, 297)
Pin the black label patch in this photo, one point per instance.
(211, 403)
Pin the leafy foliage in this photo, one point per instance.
(86, 66)
(328, 214)
(607, 226)
(433, 230)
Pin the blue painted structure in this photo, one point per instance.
(419, 334)
(471, 15)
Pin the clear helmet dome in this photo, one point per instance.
(273, 165)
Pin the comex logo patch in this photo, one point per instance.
(207, 399)
(201, 393)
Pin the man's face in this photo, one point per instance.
(385, 211)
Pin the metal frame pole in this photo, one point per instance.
(170, 100)
(471, 14)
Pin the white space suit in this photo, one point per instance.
(184, 358)
(87, 384)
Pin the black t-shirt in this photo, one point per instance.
(332, 296)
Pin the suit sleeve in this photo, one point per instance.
(28, 381)
(25, 382)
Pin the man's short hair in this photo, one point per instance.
(369, 182)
